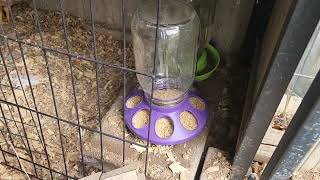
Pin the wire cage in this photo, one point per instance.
(58, 80)
(301, 81)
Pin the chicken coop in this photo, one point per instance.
(157, 89)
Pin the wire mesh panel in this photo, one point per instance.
(300, 82)
(59, 77)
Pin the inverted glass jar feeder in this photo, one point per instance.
(178, 114)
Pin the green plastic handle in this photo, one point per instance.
(213, 52)
(202, 61)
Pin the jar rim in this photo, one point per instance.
(168, 14)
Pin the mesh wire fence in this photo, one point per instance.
(57, 82)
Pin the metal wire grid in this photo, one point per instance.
(311, 50)
(7, 133)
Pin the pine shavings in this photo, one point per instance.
(177, 168)
(138, 148)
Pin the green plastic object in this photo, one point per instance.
(202, 61)
(205, 73)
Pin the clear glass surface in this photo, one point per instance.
(177, 46)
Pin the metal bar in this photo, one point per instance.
(305, 57)
(152, 83)
(5, 164)
(38, 27)
(61, 2)
(285, 59)
(17, 121)
(11, 116)
(302, 133)
(4, 85)
(18, 147)
(10, 134)
(41, 166)
(4, 157)
(21, 49)
(77, 56)
(29, 82)
(74, 124)
(95, 60)
(303, 76)
(7, 65)
(94, 47)
(20, 116)
(19, 80)
(18, 135)
(124, 78)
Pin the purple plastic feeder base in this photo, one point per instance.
(180, 134)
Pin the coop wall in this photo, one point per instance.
(108, 12)
(229, 21)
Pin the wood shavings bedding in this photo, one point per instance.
(85, 84)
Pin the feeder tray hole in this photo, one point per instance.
(133, 102)
(164, 127)
(188, 120)
(197, 103)
(141, 119)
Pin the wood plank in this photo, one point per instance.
(126, 172)
(272, 136)
(264, 153)
(116, 172)
(269, 143)
(95, 176)
(132, 175)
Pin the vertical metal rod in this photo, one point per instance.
(94, 45)
(40, 165)
(10, 135)
(12, 118)
(42, 140)
(152, 84)
(124, 77)
(298, 72)
(295, 79)
(284, 60)
(19, 80)
(20, 170)
(17, 156)
(31, 88)
(28, 77)
(302, 134)
(303, 76)
(20, 116)
(38, 27)
(4, 157)
(15, 67)
(61, 3)
(22, 88)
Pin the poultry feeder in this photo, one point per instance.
(177, 114)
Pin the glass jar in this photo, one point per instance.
(176, 53)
